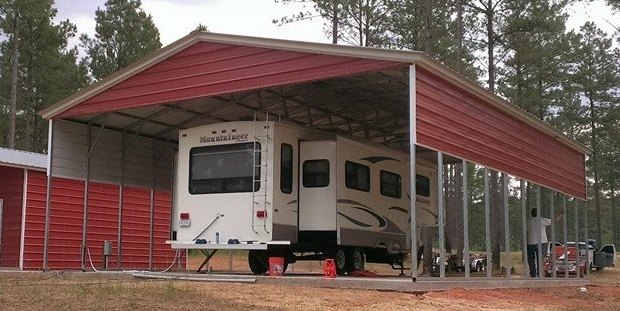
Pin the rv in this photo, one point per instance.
(283, 191)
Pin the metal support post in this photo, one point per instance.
(577, 259)
(412, 172)
(48, 198)
(565, 235)
(466, 221)
(487, 223)
(506, 224)
(86, 188)
(524, 211)
(585, 238)
(539, 254)
(552, 240)
(441, 215)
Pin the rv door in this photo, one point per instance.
(317, 186)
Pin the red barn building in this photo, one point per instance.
(145, 224)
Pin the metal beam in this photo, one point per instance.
(48, 194)
(487, 223)
(539, 259)
(577, 259)
(441, 215)
(552, 240)
(506, 224)
(565, 232)
(466, 220)
(412, 172)
(523, 190)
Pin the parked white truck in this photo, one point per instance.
(285, 191)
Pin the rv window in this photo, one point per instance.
(390, 184)
(224, 168)
(286, 169)
(316, 173)
(357, 176)
(422, 186)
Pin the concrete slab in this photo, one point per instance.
(406, 284)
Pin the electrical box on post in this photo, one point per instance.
(107, 248)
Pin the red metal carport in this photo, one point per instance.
(397, 98)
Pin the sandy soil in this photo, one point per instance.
(57, 292)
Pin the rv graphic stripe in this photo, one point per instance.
(378, 159)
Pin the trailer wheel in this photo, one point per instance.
(258, 261)
(341, 261)
(356, 260)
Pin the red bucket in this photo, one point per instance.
(276, 266)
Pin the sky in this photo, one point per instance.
(176, 18)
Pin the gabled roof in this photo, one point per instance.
(103, 96)
(23, 159)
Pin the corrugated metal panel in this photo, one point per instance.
(11, 192)
(456, 122)
(66, 224)
(207, 69)
(35, 220)
(102, 221)
(70, 148)
(23, 158)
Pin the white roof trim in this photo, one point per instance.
(23, 159)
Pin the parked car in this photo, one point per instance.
(596, 259)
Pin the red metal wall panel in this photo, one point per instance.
(66, 225)
(454, 121)
(207, 69)
(11, 191)
(35, 220)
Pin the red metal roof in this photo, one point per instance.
(177, 87)
(453, 121)
(206, 69)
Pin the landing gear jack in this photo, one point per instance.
(207, 254)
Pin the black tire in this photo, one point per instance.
(340, 259)
(355, 260)
(259, 262)
(478, 266)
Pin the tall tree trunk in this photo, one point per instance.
(428, 27)
(459, 39)
(597, 204)
(491, 46)
(335, 17)
(614, 220)
(14, 68)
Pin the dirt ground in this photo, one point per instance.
(59, 292)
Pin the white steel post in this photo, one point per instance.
(466, 221)
(487, 222)
(412, 171)
(441, 216)
(506, 224)
(523, 226)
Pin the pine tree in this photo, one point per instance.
(594, 77)
(47, 69)
(124, 34)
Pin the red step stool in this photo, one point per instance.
(329, 269)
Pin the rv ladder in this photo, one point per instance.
(260, 151)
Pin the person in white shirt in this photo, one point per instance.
(537, 232)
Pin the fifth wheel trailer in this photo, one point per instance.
(301, 194)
